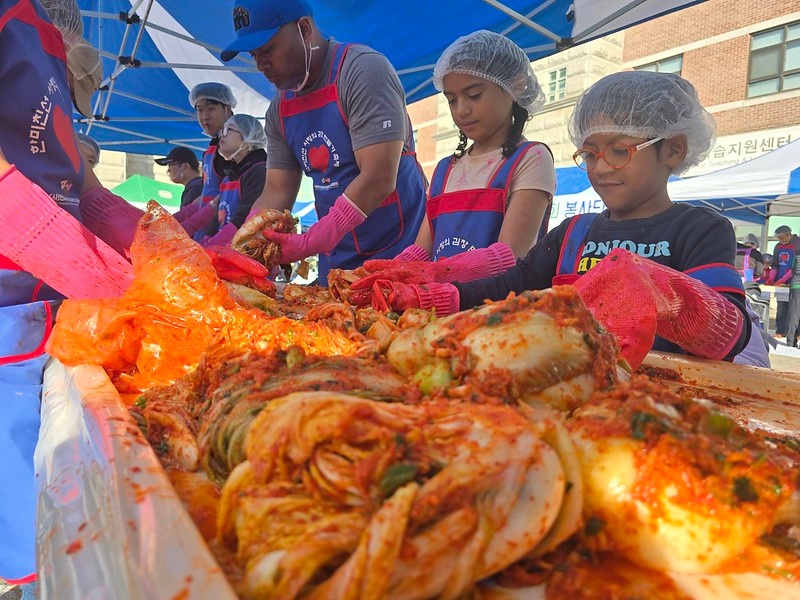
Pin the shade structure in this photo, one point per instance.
(154, 51)
(139, 190)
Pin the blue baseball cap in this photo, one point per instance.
(256, 21)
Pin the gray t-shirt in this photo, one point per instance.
(370, 95)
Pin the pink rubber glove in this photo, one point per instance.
(323, 235)
(223, 237)
(52, 245)
(200, 219)
(415, 253)
(475, 264)
(110, 218)
(637, 299)
(393, 296)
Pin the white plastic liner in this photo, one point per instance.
(110, 524)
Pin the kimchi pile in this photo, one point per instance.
(328, 452)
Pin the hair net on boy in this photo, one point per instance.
(218, 92)
(648, 105)
(495, 58)
(66, 16)
(252, 130)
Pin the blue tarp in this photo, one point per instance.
(154, 51)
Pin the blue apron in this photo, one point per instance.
(468, 219)
(36, 129)
(211, 179)
(315, 127)
(230, 194)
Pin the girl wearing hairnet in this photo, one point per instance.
(490, 201)
(658, 275)
(242, 143)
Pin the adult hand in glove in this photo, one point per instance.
(237, 268)
(394, 296)
(322, 236)
(51, 244)
(467, 266)
(637, 299)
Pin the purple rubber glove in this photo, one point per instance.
(323, 235)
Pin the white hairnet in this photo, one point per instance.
(495, 58)
(252, 130)
(218, 92)
(66, 16)
(87, 141)
(648, 105)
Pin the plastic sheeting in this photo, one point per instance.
(110, 524)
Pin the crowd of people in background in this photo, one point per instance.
(659, 275)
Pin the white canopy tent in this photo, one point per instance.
(750, 191)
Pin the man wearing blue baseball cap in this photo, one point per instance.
(340, 118)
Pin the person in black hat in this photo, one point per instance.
(184, 168)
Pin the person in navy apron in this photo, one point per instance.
(340, 119)
(214, 103)
(242, 142)
(633, 131)
(490, 202)
(43, 68)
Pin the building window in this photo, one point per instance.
(668, 65)
(774, 61)
(557, 85)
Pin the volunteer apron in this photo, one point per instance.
(468, 219)
(230, 193)
(36, 129)
(315, 127)
(212, 187)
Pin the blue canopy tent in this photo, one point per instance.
(154, 51)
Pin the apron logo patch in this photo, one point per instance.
(319, 157)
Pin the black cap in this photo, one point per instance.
(179, 154)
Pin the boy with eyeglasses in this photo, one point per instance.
(659, 275)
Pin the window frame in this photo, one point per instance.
(782, 48)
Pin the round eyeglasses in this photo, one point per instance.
(615, 155)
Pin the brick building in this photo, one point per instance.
(743, 57)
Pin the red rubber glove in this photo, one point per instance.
(393, 296)
(637, 299)
(414, 252)
(237, 268)
(323, 235)
(467, 266)
(110, 218)
(52, 245)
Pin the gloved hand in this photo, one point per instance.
(322, 236)
(235, 267)
(199, 219)
(110, 218)
(467, 266)
(51, 244)
(413, 252)
(388, 295)
(637, 299)
(223, 237)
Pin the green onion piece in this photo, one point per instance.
(397, 476)
(719, 424)
(743, 489)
